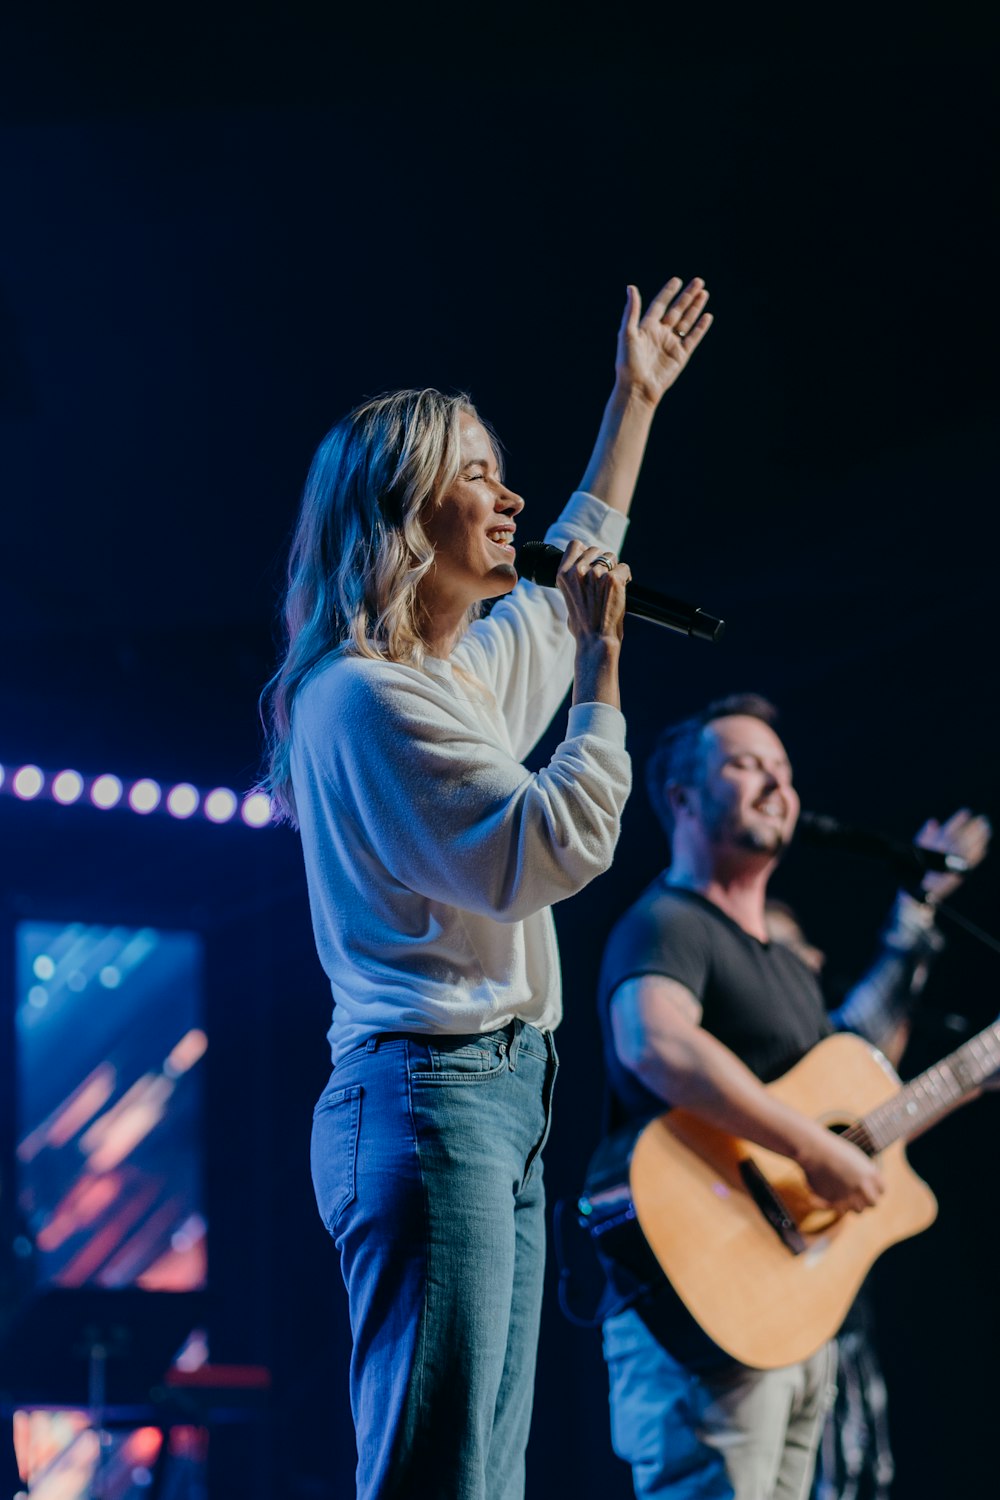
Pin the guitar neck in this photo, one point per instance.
(924, 1100)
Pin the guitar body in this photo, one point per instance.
(757, 1298)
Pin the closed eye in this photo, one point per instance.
(750, 762)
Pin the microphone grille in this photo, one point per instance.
(539, 563)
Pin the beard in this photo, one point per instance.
(770, 841)
(725, 826)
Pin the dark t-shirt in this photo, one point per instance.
(758, 998)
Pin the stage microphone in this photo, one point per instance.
(539, 563)
(911, 860)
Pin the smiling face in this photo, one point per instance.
(744, 798)
(471, 528)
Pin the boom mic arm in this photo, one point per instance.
(911, 860)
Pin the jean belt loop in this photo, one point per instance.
(516, 1027)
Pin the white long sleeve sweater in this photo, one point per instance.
(432, 855)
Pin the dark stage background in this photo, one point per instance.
(223, 229)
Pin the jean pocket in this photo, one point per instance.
(474, 1062)
(334, 1153)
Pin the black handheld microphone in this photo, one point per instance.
(539, 563)
(911, 860)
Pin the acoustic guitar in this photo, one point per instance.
(767, 1270)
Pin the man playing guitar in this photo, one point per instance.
(701, 1010)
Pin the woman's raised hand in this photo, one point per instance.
(654, 347)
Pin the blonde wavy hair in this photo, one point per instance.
(360, 550)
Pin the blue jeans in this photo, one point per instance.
(426, 1164)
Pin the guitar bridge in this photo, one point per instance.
(771, 1206)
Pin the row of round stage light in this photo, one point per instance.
(220, 805)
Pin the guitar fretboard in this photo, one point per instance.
(925, 1099)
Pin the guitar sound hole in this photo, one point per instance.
(856, 1130)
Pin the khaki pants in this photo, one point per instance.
(748, 1434)
(767, 1425)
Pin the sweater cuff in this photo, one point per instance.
(587, 519)
(599, 719)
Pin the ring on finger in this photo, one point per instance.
(606, 559)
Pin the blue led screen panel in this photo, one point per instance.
(110, 1049)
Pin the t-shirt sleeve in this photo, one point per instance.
(658, 936)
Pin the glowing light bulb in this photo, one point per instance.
(106, 792)
(144, 796)
(67, 787)
(182, 800)
(220, 805)
(256, 810)
(28, 782)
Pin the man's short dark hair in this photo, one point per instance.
(679, 752)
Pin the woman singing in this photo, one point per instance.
(399, 720)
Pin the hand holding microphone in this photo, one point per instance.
(539, 562)
(592, 581)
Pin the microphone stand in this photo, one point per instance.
(969, 926)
